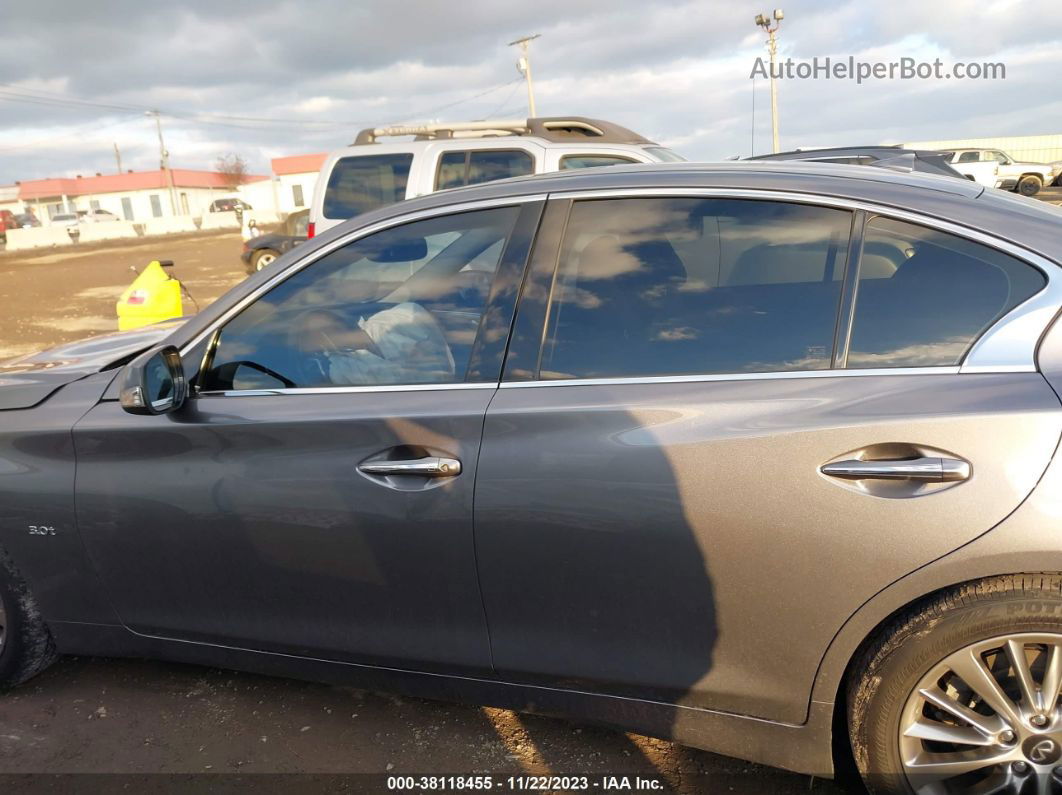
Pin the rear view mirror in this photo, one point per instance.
(153, 383)
(409, 249)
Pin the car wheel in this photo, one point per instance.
(960, 694)
(1029, 185)
(263, 258)
(26, 646)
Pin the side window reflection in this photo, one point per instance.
(925, 296)
(401, 306)
(678, 286)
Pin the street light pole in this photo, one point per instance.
(164, 161)
(524, 67)
(764, 21)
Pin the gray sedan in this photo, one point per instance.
(755, 456)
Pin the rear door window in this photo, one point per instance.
(361, 183)
(925, 296)
(686, 286)
(486, 165)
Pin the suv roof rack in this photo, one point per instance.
(558, 129)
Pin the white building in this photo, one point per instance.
(133, 196)
(294, 178)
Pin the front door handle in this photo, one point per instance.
(429, 466)
(938, 470)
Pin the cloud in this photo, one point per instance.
(675, 70)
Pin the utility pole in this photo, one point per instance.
(164, 161)
(524, 67)
(118, 157)
(764, 21)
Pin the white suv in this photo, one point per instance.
(1027, 178)
(371, 174)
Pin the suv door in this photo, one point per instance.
(667, 506)
(315, 496)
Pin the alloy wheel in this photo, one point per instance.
(986, 719)
(264, 260)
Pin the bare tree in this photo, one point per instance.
(233, 169)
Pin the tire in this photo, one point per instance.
(263, 258)
(915, 653)
(1029, 185)
(26, 646)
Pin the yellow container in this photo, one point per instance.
(152, 297)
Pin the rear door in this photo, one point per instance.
(662, 507)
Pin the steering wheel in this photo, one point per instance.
(315, 334)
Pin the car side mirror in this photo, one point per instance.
(153, 383)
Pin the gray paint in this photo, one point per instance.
(662, 557)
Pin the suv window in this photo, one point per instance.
(674, 286)
(487, 165)
(364, 182)
(925, 296)
(592, 161)
(969, 157)
(401, 306)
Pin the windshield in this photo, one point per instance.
(364, 182)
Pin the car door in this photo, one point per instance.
(315, 495)
(673, 500)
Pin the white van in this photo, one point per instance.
(371, 174)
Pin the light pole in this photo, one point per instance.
(524, 67)
(764, 21)
(164, 161)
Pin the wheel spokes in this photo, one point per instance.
(987, 725)
(937, 732)
(1022, 673)
(927, 768)
(972, 670)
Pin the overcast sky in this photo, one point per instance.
(266, 79)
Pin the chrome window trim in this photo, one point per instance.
(346, 390)
(765, 376)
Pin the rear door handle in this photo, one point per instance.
(939, 470)
(429, 466)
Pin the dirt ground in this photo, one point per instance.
(57, 295)
(221, 730)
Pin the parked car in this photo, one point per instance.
(370, 174)
(227, 205)
(759, 456)
(64, 219)
(95, 216)
(258, 252)
(1029, 177)
(7, 221)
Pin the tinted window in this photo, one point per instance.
(925, 296)
(401, 306)
(365, 182)
(969, 157)
(592, 161)
(651, 287)
(471, 168)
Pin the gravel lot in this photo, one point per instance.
(225, 729)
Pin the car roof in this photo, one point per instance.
(1026, 222)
